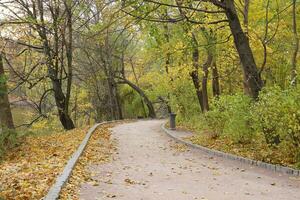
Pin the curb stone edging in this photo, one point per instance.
(56, 188)
(264, 165)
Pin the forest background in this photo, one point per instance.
(228, 69)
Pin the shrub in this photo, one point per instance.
(277, 117)
(216, 117)
(230, 117)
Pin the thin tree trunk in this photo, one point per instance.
(204, 81)
(195, 57)
(118, 103)
(69, 52)
(137, 83)
(110, 94)
(296, 48)
(167, 64)
(246, 15)
(252, 78)
(195, 73)
(196, 82)
(76, 107)
(116, 114)
(215, 79)
(6, 119)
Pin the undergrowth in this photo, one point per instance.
(267, 129)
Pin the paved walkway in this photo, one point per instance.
(148, 165)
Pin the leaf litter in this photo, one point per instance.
(28, 171)
(98, 151)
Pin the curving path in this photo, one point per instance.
(148, 165)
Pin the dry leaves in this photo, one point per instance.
(99, 150)
(179, 147)
(255, 149)
(29, 170)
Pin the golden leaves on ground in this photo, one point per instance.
(255, 149)
(179, 147)
(28, 171)
(99, 150)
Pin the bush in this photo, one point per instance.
(230, 117)
(272, 123)
(277, 117)
(216, 117)
(194, 122)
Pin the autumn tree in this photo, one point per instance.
(227, 8)
(49, 25)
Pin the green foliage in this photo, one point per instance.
(277, 117)
(182, 96)
(133, 105)
(3, 80)
(46, 126)
(230, 116)
(273, 121)
(193, 122)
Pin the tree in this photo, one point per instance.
(296, 48)
(50, 23)
(252, 79)
(6, 119)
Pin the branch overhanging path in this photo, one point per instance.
(149, 165)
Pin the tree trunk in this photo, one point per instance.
(204, 82)
(252, 78)
(137, 83)
(195, 57)
(60, 99)
(69, 52)
(215, 79)
(76, 107)
(118, 103)
(196, 82)
(143, 95)
(246, 15)
(296, 49)
(195, 73)
(167, 64)
(6, 119)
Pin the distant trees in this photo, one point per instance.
(252, 79)
(116, 52)
(48, 26)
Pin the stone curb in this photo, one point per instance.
(55, 189)
(268, 166)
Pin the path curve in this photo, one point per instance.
(148, 165)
